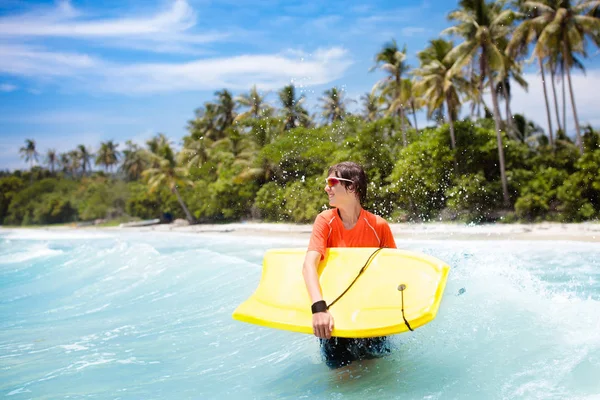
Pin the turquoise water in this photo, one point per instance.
(116, 315)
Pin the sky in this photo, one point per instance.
(83, 72)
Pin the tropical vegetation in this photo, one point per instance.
(244, 158)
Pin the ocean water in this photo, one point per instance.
(116, 315)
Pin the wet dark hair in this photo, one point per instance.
(354, 172)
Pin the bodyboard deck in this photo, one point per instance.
(373, 305)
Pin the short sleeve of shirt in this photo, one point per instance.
(387, 239)
(319, 235)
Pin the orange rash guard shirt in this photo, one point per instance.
(370, 231)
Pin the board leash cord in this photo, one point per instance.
(400, 287)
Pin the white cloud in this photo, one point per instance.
(267, 71)
(7, 87)
(37, 62)
(403, 14)
(67, 117)
(64, 23)
(532, 104)
(413, 31)
(239, 72)
(170, 26)
(361, 9)
(385, 25)
(324, 23)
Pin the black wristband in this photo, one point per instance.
(319, 306)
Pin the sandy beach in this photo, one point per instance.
(582, 232)
(585, 232)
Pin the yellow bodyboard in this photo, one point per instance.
(371, 307)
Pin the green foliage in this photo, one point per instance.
(302, 152)
(304, 200)
(260, 170)
(101, 198)
(9, 187)
(563, 157)
(477, 148)
(53, 208)
(149, 205)
(228, 197)
(539, 194)
(580, 193)
(299, 201)
(472, 198)
(422, 174)
(29, 205)
(270, 202)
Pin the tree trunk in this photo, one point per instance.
(564, 101)
(550, 132)
(555, 99)
(498, 134)
(452, 137)
(482, 65)
(185, 209)
(414, 116)
(471, 73)
(577, 131)
(403, 126)
(451, 123)
(509, 118)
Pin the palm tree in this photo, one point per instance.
(51, 159)
(159, 145)
(256, 105)
(440, 84)
(370, 103)
(527, 131)
(108, 155)
(522, 36)
(196, 152)
(74, 162)
(410, 96)
(393, 61)
(566, 27)
(225, 109)
(511, 71)
(294, 114)
(166, 171)
(64, 162)
(483, 26)
(236, 143)
(134, 161)
(333, 105)
(559, 65)
(85, 157)
(29, 152)
(553, 66)
(205, 124)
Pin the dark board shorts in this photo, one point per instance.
(338, 352)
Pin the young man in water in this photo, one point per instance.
(348, 224)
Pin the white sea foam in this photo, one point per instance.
(30, 253)
(73, 347)
(19, 391)
(146, 303)
(53, 234)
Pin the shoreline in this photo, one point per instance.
(583, 232)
